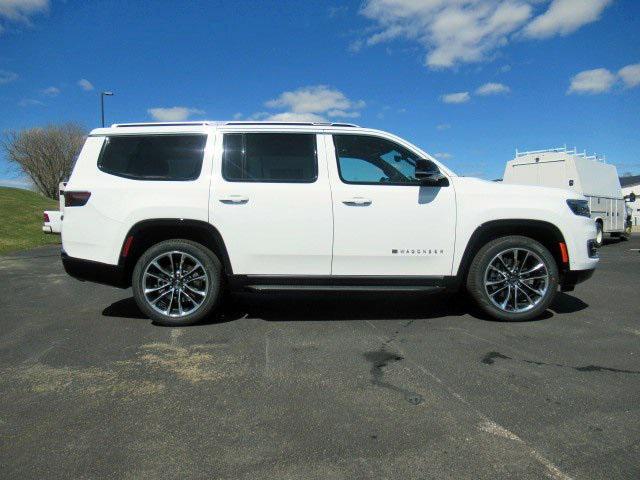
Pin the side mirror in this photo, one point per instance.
(428, 174)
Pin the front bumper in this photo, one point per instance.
(97, 272)
(571, 278)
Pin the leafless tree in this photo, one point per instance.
(45, 154)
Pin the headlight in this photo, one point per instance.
(579, 207)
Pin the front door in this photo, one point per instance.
(271, 202)
(385, 223)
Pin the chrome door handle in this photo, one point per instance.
(234, 199)
(357, 202)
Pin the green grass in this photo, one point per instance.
(21, 220)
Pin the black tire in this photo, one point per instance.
(475, 282)
(599, 234)
(213, 271)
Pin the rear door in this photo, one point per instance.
(271, 202)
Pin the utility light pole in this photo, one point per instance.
(102, 95)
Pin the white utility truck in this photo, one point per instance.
(587, 175)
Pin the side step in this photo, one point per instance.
(344, 288)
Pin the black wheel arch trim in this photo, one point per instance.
(504, 227)
(209, 232)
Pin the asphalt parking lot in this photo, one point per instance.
(318, 386)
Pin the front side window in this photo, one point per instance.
(153, 157)
(270, 157)
(363, 159)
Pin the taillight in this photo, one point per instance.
(76, 199)
(46, 217)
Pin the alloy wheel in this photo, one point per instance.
(516, 280)
(175, 283)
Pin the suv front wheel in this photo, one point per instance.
(177, 282)
(513, 278)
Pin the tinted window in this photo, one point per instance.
(372, 160)
(270, 157)
(153, 157)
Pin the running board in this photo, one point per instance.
(344, 288)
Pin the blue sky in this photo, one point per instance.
(469, 80)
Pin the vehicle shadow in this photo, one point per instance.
(275, 307)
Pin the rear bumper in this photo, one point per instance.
(573, 277)
(97, 272)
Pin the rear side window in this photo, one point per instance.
(270, 157)
(153, 157)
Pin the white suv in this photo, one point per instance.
(183, 212)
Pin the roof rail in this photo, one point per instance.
(323, 124)
(158, 124)
(207, 122)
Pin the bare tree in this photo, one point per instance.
(45, 154)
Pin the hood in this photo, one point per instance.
(479, 186)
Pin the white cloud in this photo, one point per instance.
(454, 32)
(599, 80)
(460, 97)
(20, 11)
(7, 77)
(30, 102)
(564, 17)
(492, 89)
(312, 104)
(237, 115)
(443, 126)
(451, 32)
(85, 84)
(443, 156)
(173, 114)
(50, 91)
(630, 75)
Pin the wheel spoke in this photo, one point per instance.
(531, 270)
(180, 311)
(157, 277)
(534, 278)
(155, 289)
(537, 292)
(531, 302)
(498, 291)
(201, 277)
(498, 270)
(168, 310)
(199, 292)
(506, 299)
(157, 265)
(496, 282)
(190, 299)
(524, 262)
(173, 268)
(162, 295)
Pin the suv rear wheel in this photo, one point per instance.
(177, 282)
(513, 278)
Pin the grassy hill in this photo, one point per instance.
(21, 220)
